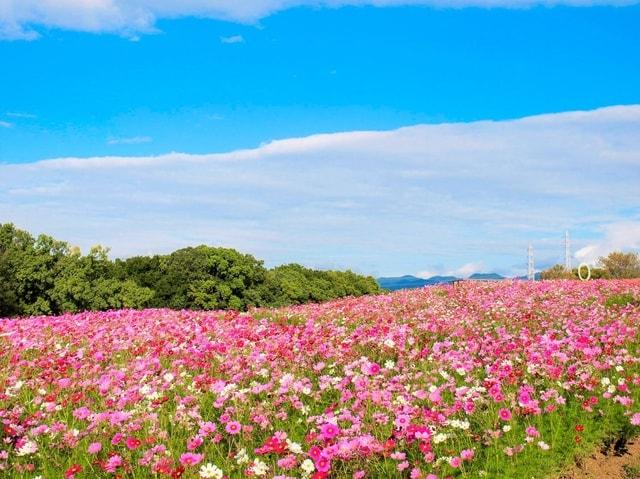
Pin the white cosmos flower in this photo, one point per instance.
(259, 468)
(307, 466)
(27, 448)
(211, 471)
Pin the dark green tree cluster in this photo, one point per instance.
(295, 284)
(46, 276)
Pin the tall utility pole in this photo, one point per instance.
(531, 273)
(567, 251)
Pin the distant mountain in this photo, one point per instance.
(408, 282)
(493, 276)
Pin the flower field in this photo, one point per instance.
(495, 380)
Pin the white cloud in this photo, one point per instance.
(468, 269)
(463, 271)
(387, 201)
(428, 273)
(133, 140)
(22, 19)
(232, 39)
(620, 236)
(15, 114)
(5, 124)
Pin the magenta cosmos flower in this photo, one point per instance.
(505, 414)
(233, 427)
(329, 431)
(323, 464)
(190, 459)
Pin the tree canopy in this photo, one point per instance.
(46, 276)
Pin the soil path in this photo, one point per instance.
(599, 466)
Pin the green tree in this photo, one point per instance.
(557, 271)
(212, 278)
(12, 244)
(147, 271)
(621, 265)
(295, 284)
(88, 283)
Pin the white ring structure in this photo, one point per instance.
(584, 265)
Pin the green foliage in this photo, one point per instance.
(621, 300)
(557, 271)
(295, 284)
(46, 276)
(619, 265)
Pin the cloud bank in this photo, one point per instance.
(22, 19)
(380, 201)
(622, 236)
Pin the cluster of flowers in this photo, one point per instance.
(426, 384)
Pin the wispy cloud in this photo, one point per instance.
(132, 140)
(389, 201)
(232, 39)
(5, 124)
(15, 114)
(133, 17)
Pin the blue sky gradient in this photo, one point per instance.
(201, 86)
(305, 71)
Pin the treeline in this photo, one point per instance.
(46, 276)
(616, 265)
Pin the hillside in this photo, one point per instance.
(509, 379)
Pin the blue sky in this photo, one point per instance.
(153, 83)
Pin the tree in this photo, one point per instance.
(12, 243)
(621, 265)
(88, 283)
(295, 284)
(45, 276)
(557, 271)
(213, 278)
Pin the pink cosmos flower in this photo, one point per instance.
(94, 448)
(505, 414)
(370, 369)
(323, 464)
(635, 419)
(132, 443)
(287, 462)
(467, 454)
(207, 428)
(329, 431)
(117, 437)
(191, 459)
(233, 427)
(315, 452)
(455, 462)
(402, 421)
(194, 443)
(82, 413)
(113, 463)
(532, 431)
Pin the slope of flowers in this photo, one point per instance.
(478, 380)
